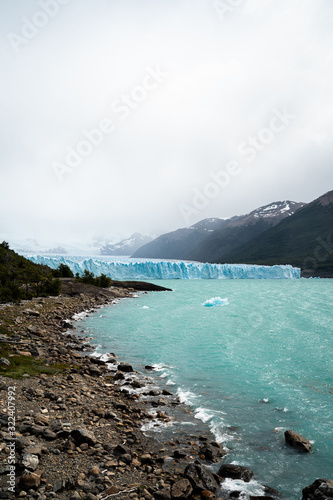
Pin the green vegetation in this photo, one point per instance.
(63, 271)
(89, 279)
(22, 365)
(22, 279)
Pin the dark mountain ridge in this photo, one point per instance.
(304, 240)
(209, 239)
(241, 229)
(176, 244)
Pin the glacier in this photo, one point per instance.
(143, 269)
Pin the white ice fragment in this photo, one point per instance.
(216, 302)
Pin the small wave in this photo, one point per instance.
(144, 307)
(186, 397)
(96, 354)
(203, 414)
(252, 488)
(220, 435)
(158, 367)
(81, 315)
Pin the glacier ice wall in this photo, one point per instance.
(141, 269)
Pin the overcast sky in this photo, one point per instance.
(148, 115)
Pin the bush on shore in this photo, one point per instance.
(22, 279)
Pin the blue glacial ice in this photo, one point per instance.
(216, 302)
(142, 269)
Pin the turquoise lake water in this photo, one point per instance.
(250, 369)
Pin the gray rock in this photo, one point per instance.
(36, 351)
(297, 441)
(320, 489)
(4, 362)
(236, 472)
(59, 486)
(33, 449)
(200, 478)
(212, 452)
(29, 461)
(181, 489)
(82, 435)
(75, 496)
(164, 494)
(125, 367)
(49, 435)
(31, 312)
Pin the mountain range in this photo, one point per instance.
(283, 232)
(304, 240)
(209, 239)
(126, 246)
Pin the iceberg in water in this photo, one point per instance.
(216, 302)
(143, 269)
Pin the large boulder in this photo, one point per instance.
(297, 441)
(125, 367)
(320, 489)
(200, 478)
(236, 472)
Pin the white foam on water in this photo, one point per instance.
(81, 315)
(220, 435)
(158, 367)
(186, 397)
(170, 382)
(105, 357)
(144, 307)
(95, 353)
(252, 488)
(111, 366)
(203, 414)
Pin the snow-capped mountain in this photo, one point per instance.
(303, 240)
(275, 211)
(209, 238)
(242, 228)
(126, 246)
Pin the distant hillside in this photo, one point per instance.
(304, 240)
(22, 279)
(208, 239)
(241, 229)
(127, 246)
(177, 244)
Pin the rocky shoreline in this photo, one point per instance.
(77, 432)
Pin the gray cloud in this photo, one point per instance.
(225, 78)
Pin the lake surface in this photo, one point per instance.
(250, 369)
